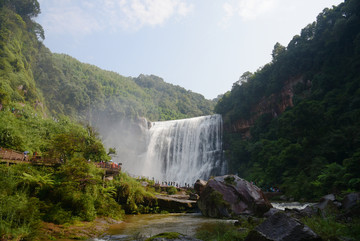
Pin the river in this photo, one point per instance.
(147, 225)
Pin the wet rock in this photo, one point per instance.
(281, 227)
(199, 186)
(271, 212)
(308, 211)
(173, 204)
(231, 196)
(351, 205)
(351, 200)
(325, 201)
(325, 204)
(172, 237)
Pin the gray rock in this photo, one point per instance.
(199, 186)
(351, 200)
(271, 212)
(325, 204)
(351, 205)
(231, 196)
(325, 201)
(280, 227)
(309, 211)
(173, 204)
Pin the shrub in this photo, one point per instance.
(171, 190)
(131, 195)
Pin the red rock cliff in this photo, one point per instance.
(274, 104)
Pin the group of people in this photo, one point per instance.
(110, 164)
(273, 189)
(174, 184)
(267, 189)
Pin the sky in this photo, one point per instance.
(201, 45)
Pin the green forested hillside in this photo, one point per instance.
(77, 89)
(43, 99)
(312, 148)
(37, 83)
(18, 49)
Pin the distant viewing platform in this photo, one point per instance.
(10, 156)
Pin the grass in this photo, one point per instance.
(221, 231)
(171, 190)
(230, 180)
(329, 228)
(169, 235)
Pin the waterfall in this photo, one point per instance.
(185, 150)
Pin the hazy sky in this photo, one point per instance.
(201, 45)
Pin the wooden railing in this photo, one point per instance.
(9, 154)
(46, 161)
(109, 165)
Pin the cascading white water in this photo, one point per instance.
(183, 151)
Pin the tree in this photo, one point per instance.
(243, 78)
(25, 8)
(278, 51)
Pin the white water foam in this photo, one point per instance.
(183, 151)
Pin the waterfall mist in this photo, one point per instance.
(185, 150)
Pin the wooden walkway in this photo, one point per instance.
(9, 157)
(9, 154)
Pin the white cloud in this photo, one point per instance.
(246, 9)
(229, 13)
(73, 21)
(84, 17)
(251, 9)
(184, 8)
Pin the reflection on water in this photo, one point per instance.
(147, 225)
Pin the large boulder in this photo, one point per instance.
(280, 227)
(326, 204)
(351, 200)
(199, 186)
(351, 205)
(231, 196)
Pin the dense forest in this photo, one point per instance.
(76, 89)
(47, 102)
(303, 109)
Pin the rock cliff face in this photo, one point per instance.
(274, 104)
